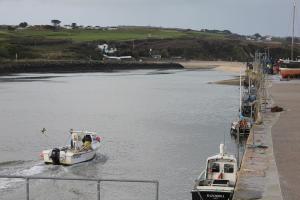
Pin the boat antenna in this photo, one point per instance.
(224, 138)
(293, 33)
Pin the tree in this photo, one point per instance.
(257, 35)
(227, 32)
(23, 24)
(74, 25)
(55, 22)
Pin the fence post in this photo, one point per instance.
(98, 190)
(27, 188)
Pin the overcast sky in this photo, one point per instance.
(268, 17)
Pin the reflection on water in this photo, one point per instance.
(154, 124)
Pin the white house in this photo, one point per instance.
(105, 48)
(268, 38)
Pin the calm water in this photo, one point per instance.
(154, 124)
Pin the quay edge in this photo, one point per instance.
(258, 176)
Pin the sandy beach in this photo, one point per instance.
(226, 66)
(218, 65)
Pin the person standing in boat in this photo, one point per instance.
(87, 143)
(72, 144)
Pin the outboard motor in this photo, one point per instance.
(55, 154)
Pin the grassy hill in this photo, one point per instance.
(49, 43)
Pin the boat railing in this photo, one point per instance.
(201, 176)
(98, 181)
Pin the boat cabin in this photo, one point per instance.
(79, 137)
(221, 169)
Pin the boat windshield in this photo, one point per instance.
(215, 167)
(228, 168)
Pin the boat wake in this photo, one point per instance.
(19, 168)
(31, 168)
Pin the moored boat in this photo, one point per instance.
(218, 180)
(243, 125)
(82, 148)
(289, 69)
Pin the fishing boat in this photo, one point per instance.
(218, 180)
(289, 69)
(82, 148)
(243, 125)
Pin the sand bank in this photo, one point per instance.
(234, 81)
(218, 65)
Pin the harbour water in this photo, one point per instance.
(155, 125)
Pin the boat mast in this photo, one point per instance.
(293, 34)
(240, 92)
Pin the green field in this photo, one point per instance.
(121, 34)
(49, 43)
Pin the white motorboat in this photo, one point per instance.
(218, 180)
(82, 148)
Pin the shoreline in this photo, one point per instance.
(61, 66)
(226, 66)
(80, 66)
(233, 81)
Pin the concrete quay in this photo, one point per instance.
(286, 137)
(258, 176)
(271, 168)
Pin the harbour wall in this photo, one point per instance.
(258, 176)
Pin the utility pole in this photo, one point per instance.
(293, 34)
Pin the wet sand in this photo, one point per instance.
(286, 137)
(234, 81)
(218, 65)
(226, 66)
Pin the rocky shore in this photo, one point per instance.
(80, 66)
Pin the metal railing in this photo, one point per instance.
(98, 181)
